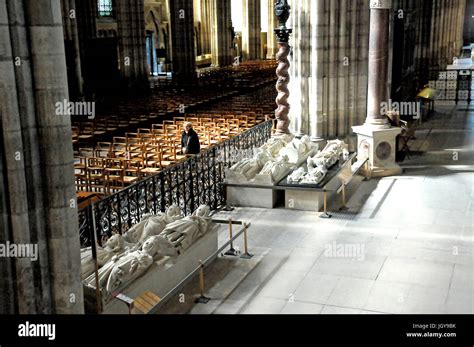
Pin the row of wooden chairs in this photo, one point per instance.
(110, 166)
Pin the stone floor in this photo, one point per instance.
(404, 246)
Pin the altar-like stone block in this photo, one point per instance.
(252, 197)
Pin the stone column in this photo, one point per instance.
(353, 66)
(14, 185)
(131, 43)
(343, 64)
(282, 11)
(272, 45)
(54, 135)
(221, 37)
(21, 93)
(296, 99)
(71, 36)
(376, 139)
(207, 9)
(302, 39)
(462, 12)
(378, 63)
(332, 68)
(182, 39)
(87, 30)
(318, 33)
(251, 29)
(362, 60)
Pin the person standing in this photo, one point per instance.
(190, 140)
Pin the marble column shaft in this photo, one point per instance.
(378, 65)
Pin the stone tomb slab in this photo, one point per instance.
(161, 278)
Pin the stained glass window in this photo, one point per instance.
(105, 8)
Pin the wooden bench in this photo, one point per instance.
(145, 303)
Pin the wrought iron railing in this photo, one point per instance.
(187, 184)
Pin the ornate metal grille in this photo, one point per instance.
(188, 184)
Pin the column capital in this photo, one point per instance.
(380, 4)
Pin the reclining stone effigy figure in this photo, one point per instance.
(245, 170)
(275, 144)
(318, 165)
(152, 225)
(298, 150)
(115, 245)
(181, 234)
(175, 237)
(275, 170)
(130, 240)
(123, 269)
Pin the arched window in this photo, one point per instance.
(105, 8)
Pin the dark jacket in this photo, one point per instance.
(191, 140)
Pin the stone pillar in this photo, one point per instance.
(378, 63)
(71, 37)
(131, 43)
(36, 151)
(450, 39)
(462, 12)
(318, 33)
(21, 286)
(221, 37)
(37, 172)
(362, 60)
(329, 65)
(438, 26)
(444, 37)
(343, 64)
(299, 97)
(251, 29)
(207, 9)
(332, 68)
(376, 139)
(182, 39)
(25, 118)
(352, 68)
(301, 67)
(282, 11)
(54, 135)
(272, 45)
(87, 30)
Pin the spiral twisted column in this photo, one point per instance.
(282, 12)
(283, 107)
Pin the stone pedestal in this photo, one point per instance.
(253, 197)
(379, 145)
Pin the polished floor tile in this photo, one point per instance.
(404, 246)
